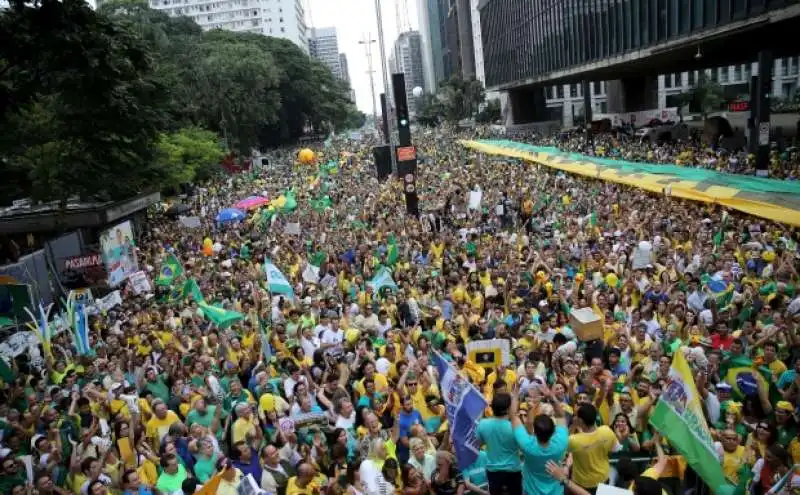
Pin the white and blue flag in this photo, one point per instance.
(382, 279)
(276, 281)
(465, 406)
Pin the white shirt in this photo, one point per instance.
(309, 345)
(373, 480)
(331, 337)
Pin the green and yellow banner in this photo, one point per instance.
(773, 199)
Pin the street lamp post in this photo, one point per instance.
(386, 87)
(367, 42)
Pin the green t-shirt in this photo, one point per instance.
(170, 483)
(204, 468)
(158, 388)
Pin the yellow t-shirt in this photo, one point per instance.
(293, 489)
(649, 473)
(158, 428)
(381, 383)
(732, 461)
(242, 427)
(590, 456)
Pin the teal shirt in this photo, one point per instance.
(501, 449)
(535, 480)
(476, 472)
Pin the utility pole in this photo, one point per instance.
(386, 87)
(367, 42)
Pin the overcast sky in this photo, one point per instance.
(355, 20)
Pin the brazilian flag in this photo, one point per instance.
(170, 270)
(747, 379)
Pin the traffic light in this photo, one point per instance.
(401, 108)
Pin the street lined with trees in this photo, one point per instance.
(104, 104)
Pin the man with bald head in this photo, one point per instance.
(303, 483)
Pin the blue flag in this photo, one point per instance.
(465, 406)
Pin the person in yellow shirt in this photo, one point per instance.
(775, 365)
(733, 454)
(368, 371)
(304, 483)
(590, 449)
(158, 425)
(245, 425)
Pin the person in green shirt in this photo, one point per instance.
(173, 475)
(156, 385)
(206, 457)
(11, 475)
(208, 416)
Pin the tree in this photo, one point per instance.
(460, 98)
(78, 92)
(430, 112)
(188, 155)
(705, 97)
(491, 113)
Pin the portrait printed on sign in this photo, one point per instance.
(676, 393)
(119, 253)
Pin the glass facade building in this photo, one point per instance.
(526, 38)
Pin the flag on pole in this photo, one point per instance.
(170, 270)
(720, 235)
(382, 279)
(678, 416)
(220, 317)
(276, 281)
(391, 250)
(80, 327)
(464, 405)
(192, 290)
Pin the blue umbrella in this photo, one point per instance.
(230, 215)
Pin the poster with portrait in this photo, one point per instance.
(119, 253)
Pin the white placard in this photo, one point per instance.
(139, 283)
(190, 222)
(475, 198)
(106, 303)
(292, 228)
(612, 490)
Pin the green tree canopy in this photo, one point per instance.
(95, 102)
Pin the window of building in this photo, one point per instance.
(559, 91)
(788, 89)
(255, 13)
(737, 72)
(281, 19)
(793, 67)
(723, 75)
(746, 72)
(692, 77)
(573, 90)
(283, 30)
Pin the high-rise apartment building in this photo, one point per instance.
(430, 31)
(323, 45)
(278, 18)
(407, 58)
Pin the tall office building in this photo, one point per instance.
(324, 46)
(407, 58)
(430, 32)
(278, 18)
(344, 68)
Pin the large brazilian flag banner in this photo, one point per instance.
(772, 199)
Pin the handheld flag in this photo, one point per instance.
(276, 281)
(170, 270)
(678, 416)
(464, 405)
(382, 279)
(192, 290)
(220, 317)
(80, 329)
(746, 379)
(391, 250)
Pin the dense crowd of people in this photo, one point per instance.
(332, 388)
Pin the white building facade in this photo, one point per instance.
(566, 100)
(407, 58)
(324, 46)
(278, 18)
